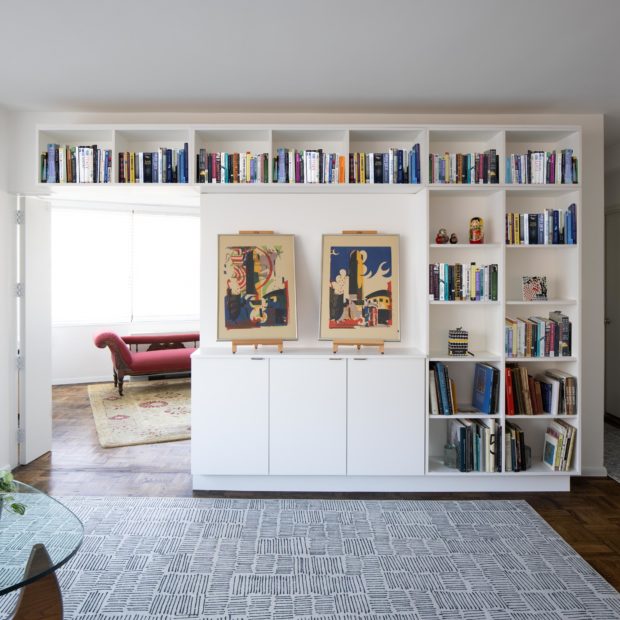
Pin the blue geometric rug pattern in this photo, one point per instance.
(164, 558)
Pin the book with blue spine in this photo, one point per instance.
(482, 397)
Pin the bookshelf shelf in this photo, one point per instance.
(540, 360)
(422, 209)
(479, 356)
(548, 302)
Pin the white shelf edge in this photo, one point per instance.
(547, 302)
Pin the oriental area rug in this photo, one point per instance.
(165, 558)
(148, 412)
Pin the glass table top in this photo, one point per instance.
(47, 522)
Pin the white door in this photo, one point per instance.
(35, 377)
(385, 417)
(230, 416)
(307, 416)
(612, 312)
(8, 332)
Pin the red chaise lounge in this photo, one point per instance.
(167, 354)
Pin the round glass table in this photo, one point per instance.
(32, 547)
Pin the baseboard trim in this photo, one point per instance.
(594, 472)
(77, 380)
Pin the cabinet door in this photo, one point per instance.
(307, 416)
(230, 416)
(385, 417)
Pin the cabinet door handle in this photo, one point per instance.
(257, 358)
(335, 359)
(360, 359)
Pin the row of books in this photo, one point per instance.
(443, 395)
(470, 168)
(395, 166)
(461, 282)
(542, 167)
(478, 444)
(538, 336)
(552, 391)
(232, 167)
(518, 454)
(559, 447)
(553, 227)
(308, 166)
(162, 166)
(76, 164)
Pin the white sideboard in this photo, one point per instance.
(306, 419)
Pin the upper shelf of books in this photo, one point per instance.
(396, 158)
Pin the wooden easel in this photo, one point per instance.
(358, 344)
(255, 342)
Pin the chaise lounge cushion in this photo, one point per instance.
(163, 360)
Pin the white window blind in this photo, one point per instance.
(117, 266)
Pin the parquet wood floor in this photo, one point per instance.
(588, 517)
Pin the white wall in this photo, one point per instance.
(8, 419)
(76, 359)
(23, 166)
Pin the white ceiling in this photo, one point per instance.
(317, 55)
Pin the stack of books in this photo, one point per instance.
(518, 454)
(232, 167)
(162, 166)
(395, 166)
(552, 391)
(468, 168)
(442, 390)
(559, 445)
(462, 282)
(76, 164)
(308, 166)
(478, 444)
(538, 336)
(542, 167)
(553, 227)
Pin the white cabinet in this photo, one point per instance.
(385, 417)
(307, 416)
(230, 416)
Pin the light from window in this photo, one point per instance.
(118, 266)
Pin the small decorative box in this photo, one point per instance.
(458, 341)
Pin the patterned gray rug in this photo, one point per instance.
(612, 451)
(162, 558)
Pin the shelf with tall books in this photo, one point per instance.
(542, 157)
(465, 156)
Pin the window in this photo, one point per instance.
(121, 266)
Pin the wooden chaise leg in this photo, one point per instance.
(115, 379)
(121, 378)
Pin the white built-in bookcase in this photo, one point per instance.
(433, 206)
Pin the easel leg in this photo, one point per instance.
(41, 599)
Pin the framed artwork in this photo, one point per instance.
(534, 288)
(256, 287)
(359, 288)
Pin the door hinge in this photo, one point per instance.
(19, 362)
(19, 290)
(20, 435)
(20, 215)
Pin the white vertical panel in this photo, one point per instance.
(36, 377)
(385, 417)
(230, 412)
(307, 416)
(8, 333)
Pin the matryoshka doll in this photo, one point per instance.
(476, 230)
